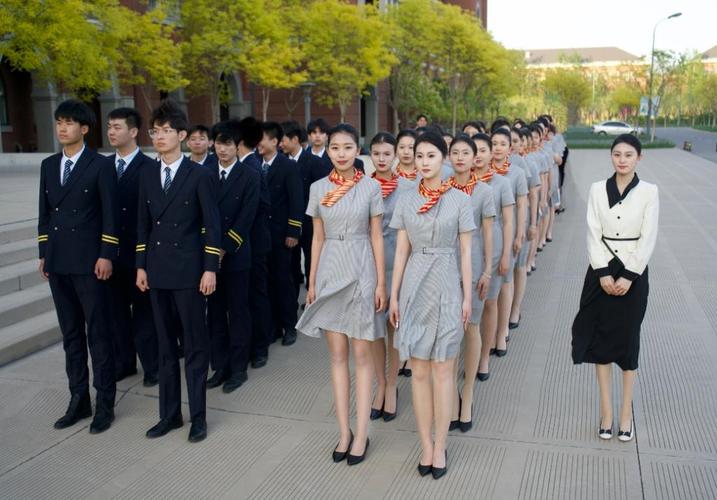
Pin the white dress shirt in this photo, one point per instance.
(228, 169)
(298, 154)
(320, 153)
(72, 158)
(127, 159)
(628, 229)
(243, 158)
(174, 166)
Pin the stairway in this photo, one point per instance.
(28, 321)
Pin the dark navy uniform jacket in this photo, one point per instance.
(312, 168)
(238, 201)
(287, 199)
(77, 222)
(170, 243)
(358, 162)
(260, 234)
(127, 195)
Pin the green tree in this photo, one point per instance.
(570, 87)
(708, 94)
(347, 50)
(625, 100)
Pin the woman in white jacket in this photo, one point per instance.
(622, 230)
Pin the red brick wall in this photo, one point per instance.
(18, 99)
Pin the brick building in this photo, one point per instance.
(27, 103)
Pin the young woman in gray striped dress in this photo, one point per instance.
(347, 282)
(502, 232)
(383, 154)
(427, 307)
(462, 153)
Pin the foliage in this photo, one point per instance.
(570, 87)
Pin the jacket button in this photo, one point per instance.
(158, 223)
(86, 190)
(159, 243)
(73, 229)
(617, 234)
(57, 209)
(74, 211)
(618, 216)
(55, 228)
(124, 209)
(615, 251)
(176, 245)
(226, 218)
(176, 225)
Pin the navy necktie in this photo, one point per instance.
(223, 177)
(120, 167)
(167, 179)
(265, 169)
(66, 172)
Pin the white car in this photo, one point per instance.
(616, 128)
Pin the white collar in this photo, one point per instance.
(270, 162)
(127, 159)
(228, 169)
(174, 166)
(72, 158)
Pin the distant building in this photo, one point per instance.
(587, 56)
(709, 58)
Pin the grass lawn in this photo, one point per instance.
(705, 128)
(583, 138)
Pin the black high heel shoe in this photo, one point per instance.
(339, 456)
(424, 470)
(439, 472)
(405, 372)
(387, 416)
(456, 423)
(501, 352)
(377, 413)
(483, 376)
(357, 459)
(466, 426)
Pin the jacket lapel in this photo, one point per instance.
(176, 186)
(82, 163)
(275, 166)
(129, 170)
(235, 174)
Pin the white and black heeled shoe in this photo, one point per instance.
(605, 433)
(626, 436)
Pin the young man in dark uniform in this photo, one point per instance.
(78, 240)
(285, 191)
(228, 312)
(132, 323)
(318, 138)
(311, 169)
(177, 263)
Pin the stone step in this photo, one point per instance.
(19, 276)
(28, 336)
(18, 251)
(15, 231)
(23, 304)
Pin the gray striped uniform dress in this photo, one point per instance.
(503, 197)
(519, 185)
(430, 323)
(483, 208)
(346, 276)
(531, 173)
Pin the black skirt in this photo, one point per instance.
(607, 328)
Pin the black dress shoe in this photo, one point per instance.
(102, 421)
(376, 413)
(483, 376)
(357, 459)
(80, 407)
(198, 431)
(150, 380)
(219, 377)
(125, 372)
(439, 472)
(234, 382)
(259, 362)
(164, 426)
(387, 417)
(424, 470)
(339, 456)
(289, 337)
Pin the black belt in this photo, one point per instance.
(620, 239)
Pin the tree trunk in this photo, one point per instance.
(396, 126)
(342, 110)
(265, 93)
(214, 97)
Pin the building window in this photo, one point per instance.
(3, 104)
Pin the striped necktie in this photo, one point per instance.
(66, 172)
(120, 167)
(265, 169)
(167, 179)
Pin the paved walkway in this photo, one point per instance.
(537, 416)
(704, 143)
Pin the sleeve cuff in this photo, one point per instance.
(629, 275)
(602, 272)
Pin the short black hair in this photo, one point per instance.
(628, 139)
(344, 128)
(433, 128)
(273, 130)
(292, 129)
(498, 123)
(318, 123)
(421, 116)
(77, 111)
(519, 121)
(199, 128)
(226, 131)
(481, 137)
(251, 132)
(478, 125)
(129, 115)
(169, 111)
(432, 138)
(501, 131)
(384, 138)
(406, 132)
(543, 120)
(464, 138)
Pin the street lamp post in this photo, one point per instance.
(650, 128)
(307, 101)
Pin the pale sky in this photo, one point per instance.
(626, 24)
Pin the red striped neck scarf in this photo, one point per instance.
(433, 195)
(468, 187)
(486, 177)
(387, 186)
(503, 169)
(332, 197)
(411, 176)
